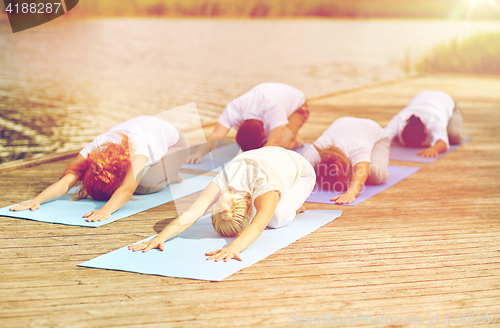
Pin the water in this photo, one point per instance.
(65, 82)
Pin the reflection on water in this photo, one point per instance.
(65, 82)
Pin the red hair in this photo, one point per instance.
(103, 171)
(251, 135)
(333, 171)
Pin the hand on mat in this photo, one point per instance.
(428, 152)
(346, 198)
(194, 158)
(97, 215)
(223, 254)
(147, 245)
(32, 205)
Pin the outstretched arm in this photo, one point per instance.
(52, 192)
(359, 176)
(265, 205)
(438, 148)
(183, 222)
(219, 133)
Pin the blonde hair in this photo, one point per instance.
(231, 213)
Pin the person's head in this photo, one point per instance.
(232, 213)
(414, 133)
(251, 135)
(333, 171)
(103, 171)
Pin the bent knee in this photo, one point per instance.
(377, 177)
(281, 218)
(141, 190)
(456, 139)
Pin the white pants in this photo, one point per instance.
(293, 199)
(456, 131)
(379, 162)
(158, 175)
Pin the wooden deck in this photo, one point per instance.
(428, 246)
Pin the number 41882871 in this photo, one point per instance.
(33, 8)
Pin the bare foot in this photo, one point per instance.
(299, 142)
(301, 210)
(176, 178)
(296, 142)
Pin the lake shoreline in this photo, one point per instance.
(58, 98)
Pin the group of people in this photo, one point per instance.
(268, 183)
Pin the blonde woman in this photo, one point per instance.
(260, 188)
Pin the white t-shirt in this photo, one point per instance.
(148, 136)
(434, 108)
(262, 170)
(270, 103)
(355, 137)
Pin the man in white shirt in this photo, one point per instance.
(432, 119)
(270, 114)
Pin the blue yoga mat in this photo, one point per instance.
(184, 255)
(214, 160)
(64, 211)
(401, 153)
(396, 174)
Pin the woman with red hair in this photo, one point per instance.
(141, 156)
(350, 153)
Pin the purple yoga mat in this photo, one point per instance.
(401, 153)
(396, 174)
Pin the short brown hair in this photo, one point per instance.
(414, 134)
(251, 135)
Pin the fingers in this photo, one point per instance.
(153, 244)
(93, 216)
(25, 206)
(343, 199)
(427, 153)
(137, 247)
(147, 246)
(223, 255)
(212, 254)
(18, 207)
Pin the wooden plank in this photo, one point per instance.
(428, 245)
